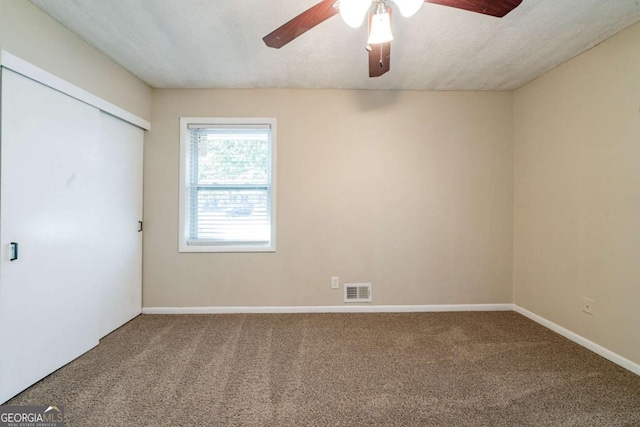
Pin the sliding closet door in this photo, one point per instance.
(48, 221)
(120, 296)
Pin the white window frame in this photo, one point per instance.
(183, 219)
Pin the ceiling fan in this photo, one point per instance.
(379, 43)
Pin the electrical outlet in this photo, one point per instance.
(587, 305)
(335, 282)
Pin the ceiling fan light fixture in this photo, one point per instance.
(354, 11)
(409, 7)
(380, 27)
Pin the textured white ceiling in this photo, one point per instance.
(218, 43)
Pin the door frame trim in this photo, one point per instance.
(20, 66)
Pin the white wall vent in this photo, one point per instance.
(357, 292)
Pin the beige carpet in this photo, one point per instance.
(422, 369)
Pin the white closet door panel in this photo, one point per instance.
(120, 295)
(50, 169)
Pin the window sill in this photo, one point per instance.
(186, 248)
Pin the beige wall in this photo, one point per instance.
(412, 191)
(577, 198)
(34, 36)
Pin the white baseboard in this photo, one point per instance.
(578, 339)
(330, 309)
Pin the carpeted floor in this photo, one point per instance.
(409, 369)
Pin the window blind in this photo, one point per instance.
(230, 185)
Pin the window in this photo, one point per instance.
(227, 191)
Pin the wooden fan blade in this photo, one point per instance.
(497, 8)
(301, 24)
(380, 54)
(379, 59)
